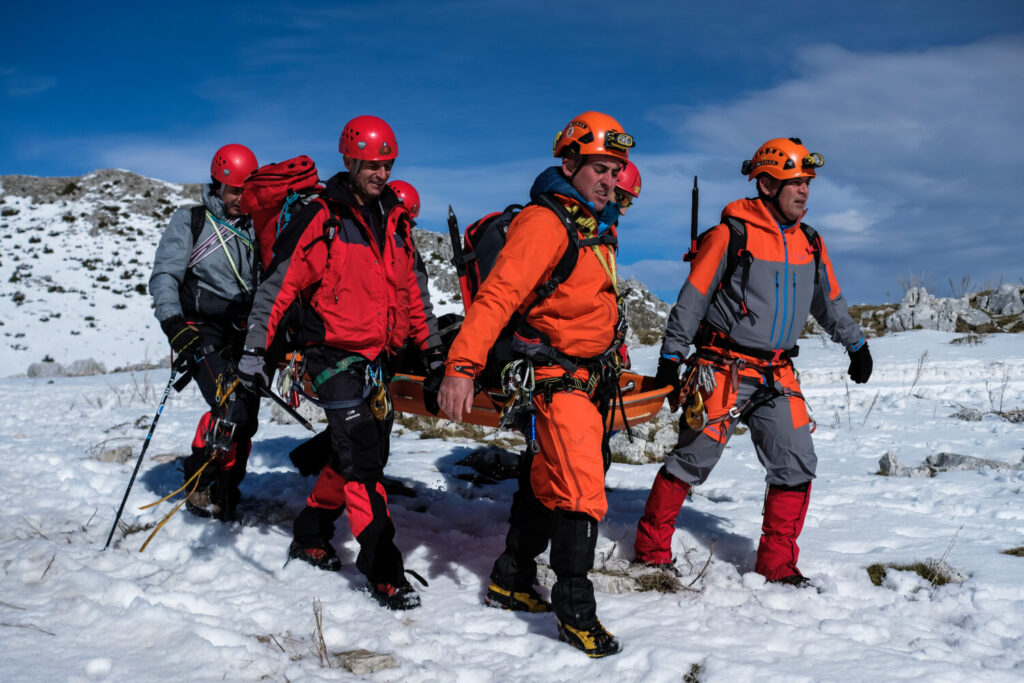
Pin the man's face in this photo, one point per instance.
(624, 199)
(232, 198)
(792, 196)
(595, 179)
(371, 178)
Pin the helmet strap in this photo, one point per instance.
(772, 200)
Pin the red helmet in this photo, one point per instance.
(593, 133)
(368, 138)
(629, 180)
(782, 158)
(408, 195)
(232, 164)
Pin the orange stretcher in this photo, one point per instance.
(640, 397)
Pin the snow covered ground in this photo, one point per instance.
(212, 601)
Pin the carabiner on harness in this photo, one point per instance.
(700, 381)
(517, 382)
(225, 388)
(379, 400)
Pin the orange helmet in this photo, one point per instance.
(232, 164)
(408, 195)
(593, 133)
(368, 138)
(629, 180)
(783, 158)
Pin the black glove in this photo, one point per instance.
(183, 337)
(860, 364)
(433, 367)
(668, 373)
(252, 370)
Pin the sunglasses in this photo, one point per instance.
(624, 199)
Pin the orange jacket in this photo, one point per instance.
(579, 316)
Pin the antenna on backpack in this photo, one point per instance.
(694, 202)
(458, 257)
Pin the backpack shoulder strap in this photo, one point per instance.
(814, 239)
(197, 221)
(737, 250)
(563, 269)
(735, 254)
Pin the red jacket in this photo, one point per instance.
(354, 295)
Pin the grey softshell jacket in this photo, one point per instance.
(225, 279)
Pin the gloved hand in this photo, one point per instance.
(252, 370)
(183, 337)
(860, 364)
(433, 369)
(668, 372)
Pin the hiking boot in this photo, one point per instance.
(516, 601)
(395, 596)
(320, 556)
(200, 502)
(594, 641)
(210, 501)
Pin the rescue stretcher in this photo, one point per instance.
(641, 400)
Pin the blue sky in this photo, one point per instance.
(916, 106)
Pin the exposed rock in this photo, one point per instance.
(492, 464)
(84, 368)
(889, 466)
(1004, 301)
(363, 662)
(919, 309)
(944, 462)
(968, 414)
(119, 454)
(651, 440)
(45, 370)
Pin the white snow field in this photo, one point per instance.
(213, 601)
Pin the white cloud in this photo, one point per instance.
(16, 84)
(922, 155)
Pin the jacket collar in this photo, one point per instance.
(553, 180)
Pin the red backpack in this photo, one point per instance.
(270, 194)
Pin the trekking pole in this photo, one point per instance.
(694, 202)
(145, 445)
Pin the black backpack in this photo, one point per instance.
(475, 258)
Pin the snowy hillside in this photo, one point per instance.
(209, 601)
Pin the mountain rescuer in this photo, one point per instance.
(754, 279)
(353, 275)
(203, 281)
(627, 187)
(408, 195)
(572, 335)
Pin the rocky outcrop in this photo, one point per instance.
(999, 311)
